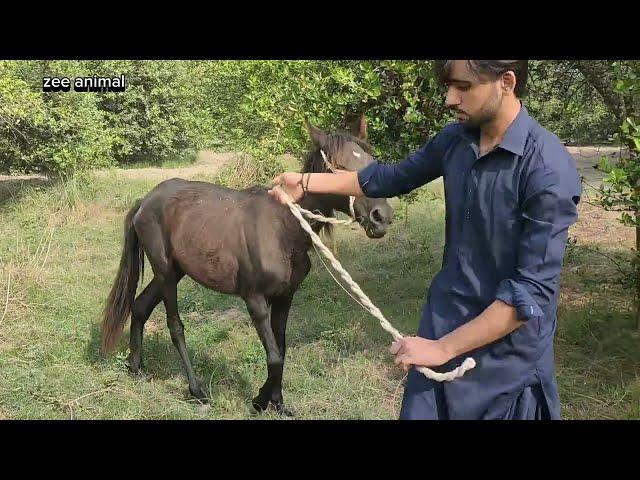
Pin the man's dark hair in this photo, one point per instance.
(491, 69)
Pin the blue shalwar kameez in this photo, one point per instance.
(507, 219)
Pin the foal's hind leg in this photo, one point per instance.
(140, 312)
(176, 328)
(259, 312)
(153, 241)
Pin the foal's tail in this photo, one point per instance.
(124, 288)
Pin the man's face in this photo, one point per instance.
(474, 101)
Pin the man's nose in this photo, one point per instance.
(452, 99)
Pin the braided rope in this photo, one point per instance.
(468, 363)
(322, 218)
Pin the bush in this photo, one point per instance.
(48, 132)
(156, 118)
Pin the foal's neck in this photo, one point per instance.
(325, 204)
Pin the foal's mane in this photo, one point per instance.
(335, 142)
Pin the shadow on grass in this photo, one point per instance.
(161, 361)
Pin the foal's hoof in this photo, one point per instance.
(261, 405)
(135, 370)
(198, 393)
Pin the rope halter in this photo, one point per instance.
(352, 199)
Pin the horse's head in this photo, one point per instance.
(351, 152)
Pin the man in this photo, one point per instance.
(511, 191)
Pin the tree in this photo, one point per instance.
(622, 192)
(566, 102)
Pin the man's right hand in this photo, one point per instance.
(290, 182)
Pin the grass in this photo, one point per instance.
(60, 246)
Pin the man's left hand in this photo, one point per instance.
(419, 351)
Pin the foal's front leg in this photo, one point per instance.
(280, 307)
(259, 312)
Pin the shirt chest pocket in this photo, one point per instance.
(494, 200)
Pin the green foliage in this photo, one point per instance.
(47, 131)
(266, 103)
(156, 118)
(562, 101)
(400, 99)
(623, 179)
(153, 118)
(171, 109)
(622, 192)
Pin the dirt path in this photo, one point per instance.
(10, 186)
(587, 157)
(208, 162)
(595, 225)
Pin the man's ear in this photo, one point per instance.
(509, 81)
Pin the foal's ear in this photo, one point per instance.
(318, 137)
(357, 127)
(362, 127)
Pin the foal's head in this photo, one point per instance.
(351, 152)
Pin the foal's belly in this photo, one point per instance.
(205, 256)
(221, 251)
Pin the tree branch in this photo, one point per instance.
(598, 79)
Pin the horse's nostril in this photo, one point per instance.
(376, 216)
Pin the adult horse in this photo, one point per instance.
(237, 242)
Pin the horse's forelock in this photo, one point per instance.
(335, 142)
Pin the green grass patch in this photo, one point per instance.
(60, 245)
